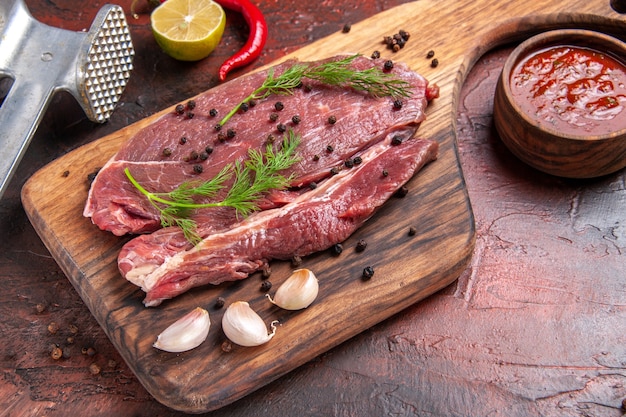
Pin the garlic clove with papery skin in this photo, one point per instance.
(298, 291)
(185, 333)
(243, 326)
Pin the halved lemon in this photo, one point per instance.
(188, 30)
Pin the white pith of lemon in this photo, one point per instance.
(188, 30)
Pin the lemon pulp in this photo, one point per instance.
(188, 30)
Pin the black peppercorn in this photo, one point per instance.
(368, 273)
(198, 169)
(208, 150)
(244, 107)
(271, 138)
(396, 140)
(219, 302)
(296, 119)
(434, 62)
(349, 163)
(279, 105)
(361, 245)
(388, 66)
(329, 148)
(191, 104)
(430, 54)
(281, 127)
(412, 231)
(266, 286)
(332, 120)
(397, 104)
(337, 248)
(190, 115)
(346, 28)
(357, 160)
(334, 171)
(385, 173)
(312, 185)
(230, 133)
(213, 112)
(183, 140)
(217, 127)
(375, 55)
(316, 157)
(193, 155)
(402, 191)
(180, 109)
(167, 152)
(203, 156)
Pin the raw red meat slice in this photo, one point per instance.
(115, 205)
(314, 221)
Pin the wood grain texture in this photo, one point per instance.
(407, 269)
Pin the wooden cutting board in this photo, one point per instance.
(407, 268)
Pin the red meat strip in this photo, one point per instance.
(314, 221)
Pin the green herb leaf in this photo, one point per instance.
(252, 178)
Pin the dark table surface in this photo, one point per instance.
(536, 325)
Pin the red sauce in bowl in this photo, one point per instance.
(574, 90)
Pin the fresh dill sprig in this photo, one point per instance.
(335, 73)
(253, 177)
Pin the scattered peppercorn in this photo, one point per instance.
(434, 62)
(361, 245)
(349, 163)
(337, 248)
(296, 119)
(396, 140)
(208, 150)
(271, 138)
(94, 369)
(193, 155)
(334, 171)
(244, 107)
(213, 112)
(279, 105)
(198, 169)
(402, 191)
(412, 231)
(217, 127)
(368, 273)
(430, 54)
(332, 120)
(316, 157)
(312, 185)
(221, 137)
(397, 104)
(57, 353)
(397, 41)
(190, 115)
(385, 173)
(219, 302)
(357, 160)
(65, 174)
(273, 117)
(252, 103)
(53, 327)
(375, 54)
(203, 156)
(180, 109)
(281, 128)
(266, 286)
(167, 152)
(231, 133)
(346, 28)
(183, 140)
(329, 148)
(388, 66)
(227, 346)
(296, 261)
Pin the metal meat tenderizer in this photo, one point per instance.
(41, 60)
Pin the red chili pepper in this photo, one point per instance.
(256, 38)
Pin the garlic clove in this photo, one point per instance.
(298, 291)
(243, 326)
(185, 333)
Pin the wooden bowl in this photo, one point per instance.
(537, 142)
